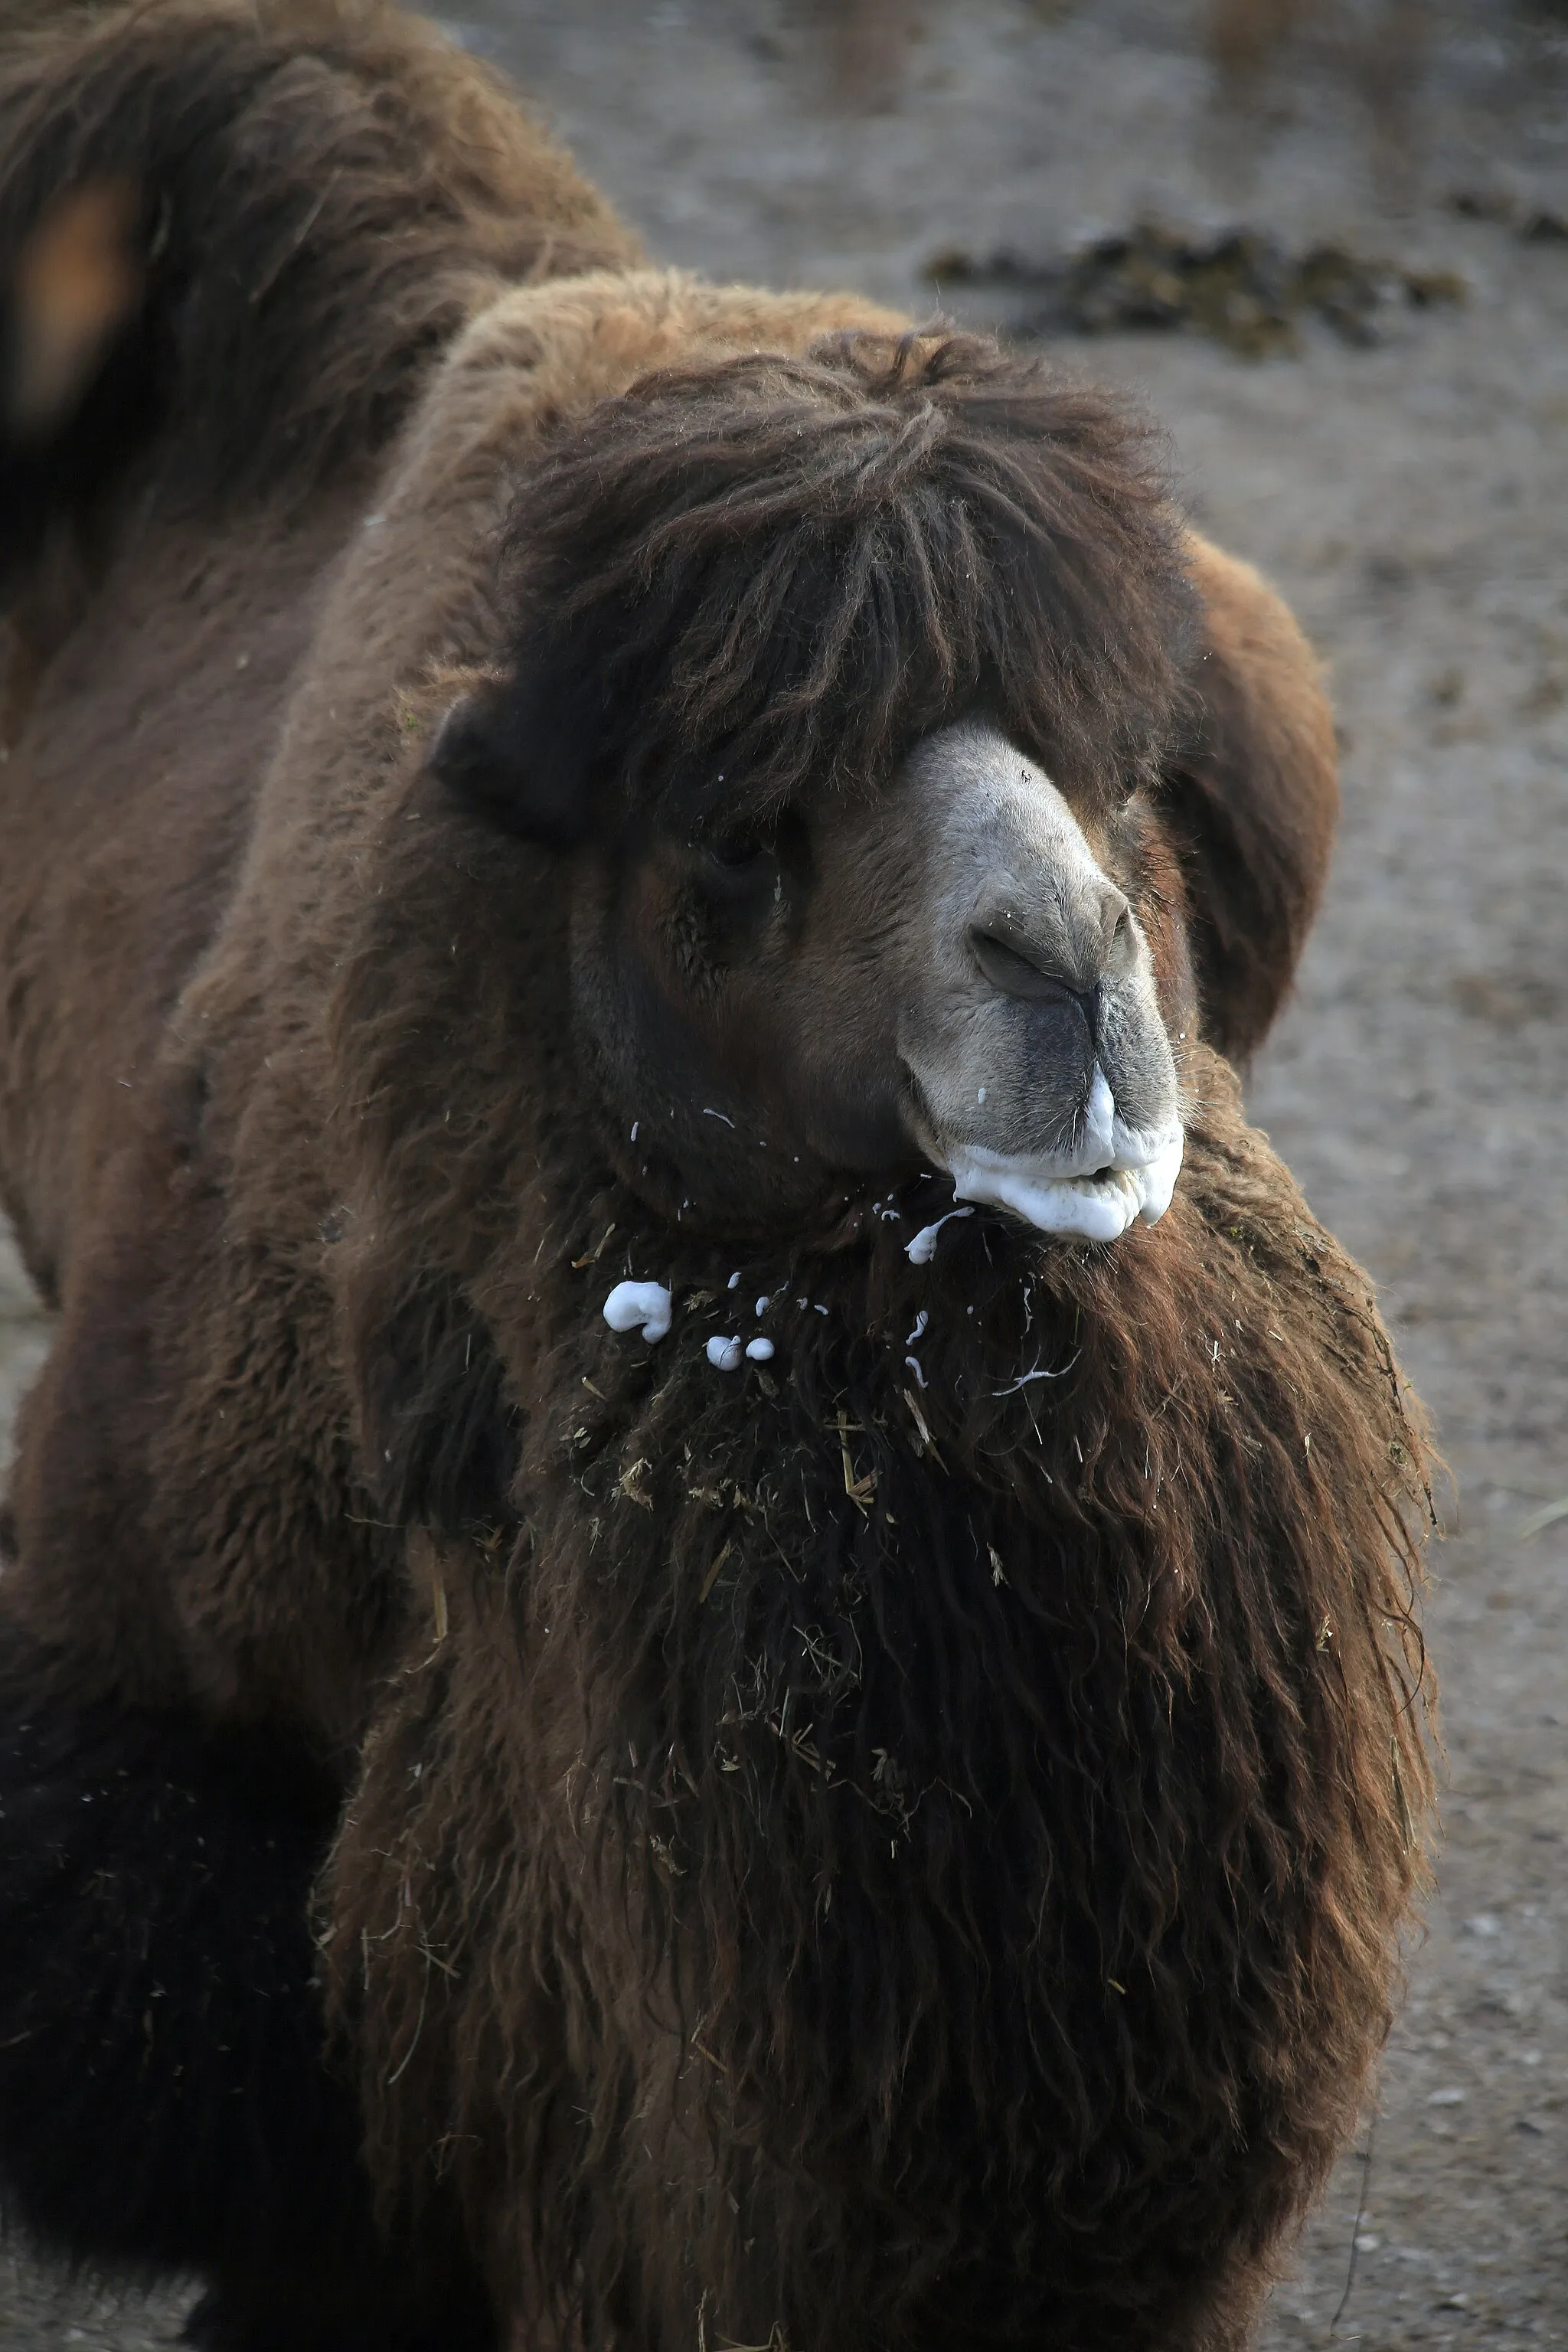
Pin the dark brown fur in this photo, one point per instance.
(832, 1853)
(747, 582)
(1166, 1658)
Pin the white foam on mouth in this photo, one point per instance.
(1113, 1175)
(1097, 1207)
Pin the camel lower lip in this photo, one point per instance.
(1098, 1206)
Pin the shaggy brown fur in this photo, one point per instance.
(841, 1853)
(877, 520)
(1118, 1943)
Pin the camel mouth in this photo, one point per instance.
(1112, 1176)
(1095, 1204)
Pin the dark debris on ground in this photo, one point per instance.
(1240, 287)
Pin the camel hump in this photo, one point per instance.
(232, 236)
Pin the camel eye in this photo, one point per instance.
(753, 872)
(735, 852)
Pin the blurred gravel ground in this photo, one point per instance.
(1410, 501)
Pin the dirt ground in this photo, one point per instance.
(1411, 499)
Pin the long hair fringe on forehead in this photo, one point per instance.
(741, 581)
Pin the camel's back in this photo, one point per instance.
(233, 242)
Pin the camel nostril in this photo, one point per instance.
(1009, 967)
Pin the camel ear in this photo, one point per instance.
(1251, 804)
(495, 760)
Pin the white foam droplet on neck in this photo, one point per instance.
(760, 1350)
(733, 1283)
(922, 1249)
(648, 1303)
(762, 1303)
(725, 1355)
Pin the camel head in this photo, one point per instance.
(833, 693)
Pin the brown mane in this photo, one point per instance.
(1067, 1708)
(773, 570)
